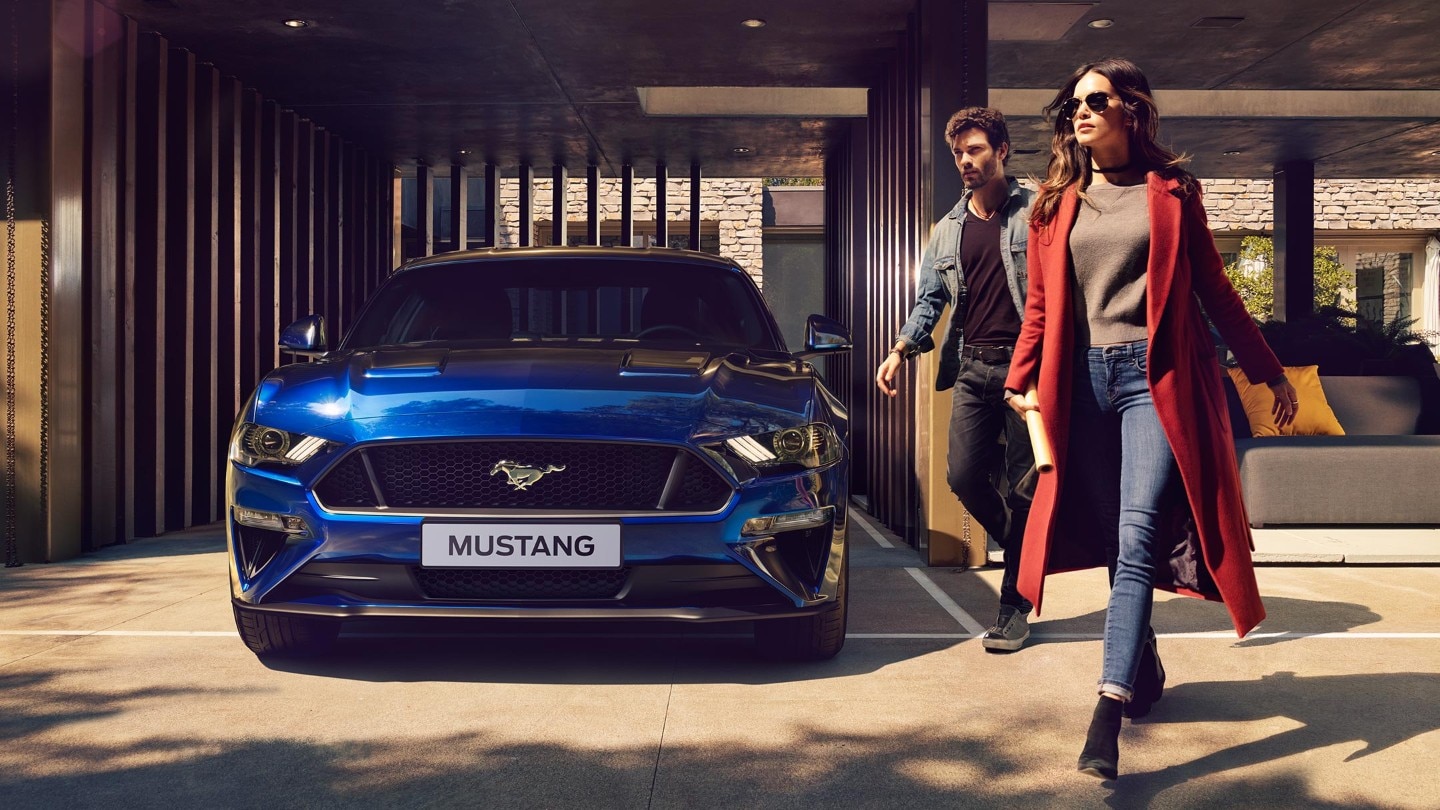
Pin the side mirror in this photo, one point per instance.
(824, 336)
(305, 337)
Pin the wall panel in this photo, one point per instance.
(187, 219)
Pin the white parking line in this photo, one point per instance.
(1219, 635)
(871, 530)
(966, 621)
(162, 633)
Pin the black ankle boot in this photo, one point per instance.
(1101, 757)
(1149, 680)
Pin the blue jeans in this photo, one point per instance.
(1127, 470)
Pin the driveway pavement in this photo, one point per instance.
(123, 684)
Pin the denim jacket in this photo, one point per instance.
(942, 280)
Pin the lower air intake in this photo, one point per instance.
(536, 584)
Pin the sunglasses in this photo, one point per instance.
(1097, 102)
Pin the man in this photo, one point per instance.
(976, 263)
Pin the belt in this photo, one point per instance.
(990, 355)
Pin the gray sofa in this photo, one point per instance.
(1379, 472)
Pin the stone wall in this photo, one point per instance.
(733, 204)
(1411, 204)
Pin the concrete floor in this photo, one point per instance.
(122, 684)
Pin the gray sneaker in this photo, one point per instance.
(1009, 632)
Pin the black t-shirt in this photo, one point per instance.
(990, 316)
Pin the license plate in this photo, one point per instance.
(520, 545)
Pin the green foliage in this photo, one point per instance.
(1340, 343)
(794, 181)
(1253, 276)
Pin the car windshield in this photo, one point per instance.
(567, 299)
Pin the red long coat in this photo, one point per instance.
(1209, 557)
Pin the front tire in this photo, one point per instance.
(808, 638)
(278, 635)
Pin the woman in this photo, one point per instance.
(1145, 479)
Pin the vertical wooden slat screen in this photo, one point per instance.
(229, 226)
(287, 129)
(61, 378)
(845, 295)
(304, 267)
(874, 230)
(251, 218)
(351, 261)
(337, 299)
(204, 301)
(178, 322)
(109, 38)
(196, 217)
(320, 220)
(148, 296)
(267, 293)
(126, 468)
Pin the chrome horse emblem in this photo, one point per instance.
(521, 476)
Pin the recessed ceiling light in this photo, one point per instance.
(1232, 152)
(742, 150)
(295, 23)
(753, 22)
(1103, 22)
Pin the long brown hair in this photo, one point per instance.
(1070, 162)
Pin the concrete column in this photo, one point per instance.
(425, 208)
(953, 53)
(526, 224)
(1294, 240)
(459, 203)
(559, 217)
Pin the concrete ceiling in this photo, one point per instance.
(548, 81)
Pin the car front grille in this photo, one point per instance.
(523, 475)
(522, 584)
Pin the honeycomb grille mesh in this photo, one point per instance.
(543, 475)
(545, 583)
(347, 484)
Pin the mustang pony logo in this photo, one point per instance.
(521, 476)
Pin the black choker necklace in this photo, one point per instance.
(1111, 170)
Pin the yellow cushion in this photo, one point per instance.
(1315, 418)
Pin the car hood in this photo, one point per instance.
(399, 393)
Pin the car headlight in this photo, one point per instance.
(253, 444)
(788, 449)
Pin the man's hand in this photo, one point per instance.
(885, 375)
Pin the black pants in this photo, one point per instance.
(978, 418)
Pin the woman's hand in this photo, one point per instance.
(1287, 402)
(1019, 403)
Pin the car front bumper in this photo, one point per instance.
(697, 568)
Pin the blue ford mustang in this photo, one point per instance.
(589, 433)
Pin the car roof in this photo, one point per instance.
(646, 254)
